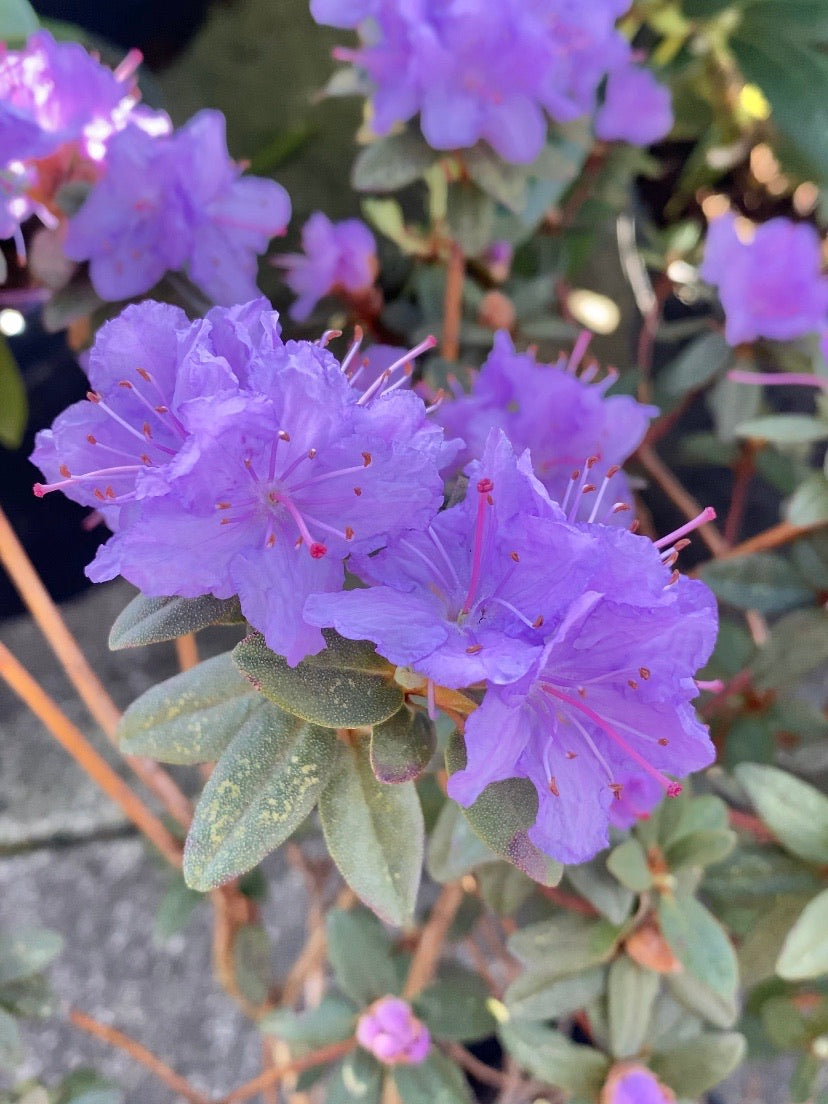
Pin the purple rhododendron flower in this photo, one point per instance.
(336, 255)
(476, 70)
(636, 108)
(607, 700)
(471, 597)
(560, 416)
(228, 462)
(770, 283)
(54, 93)
(173, 202)
(635, 1085)
(392, 1033)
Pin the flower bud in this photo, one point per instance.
(632, 1084)
(392, 1033)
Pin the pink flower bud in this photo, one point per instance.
(392, 1033)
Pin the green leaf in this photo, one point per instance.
(697, 364)
(454, 849)
(564, 944)
(693, 1067)
(503, 887)
(346, 686)
(685, 815)
(699, 942)
(729, 402)
(796, 812)
(85, 1086)
(11, 1052)
(251, 956)
(261, 790)
(703, 848)
(437, 1080)
(759, 950)
(176, 908)
(14, 408)
(549, 1055)
(402, 746)
(721, 1010)
(535, 995)
(501, 180)
(455, 1006)
(470, 217)
(804, 1079)
(359, 1079)
(17, 20)
(762, 581)
(375, 835)
(631, 994)
(809, 503)
(594, 882)
(502, 816)
(193, 716)
(628, 863)
(30, 998)
(386, 215)
(785, 429)
(805, 950)
(360, 954)
(798, 644)
(332, 1021)
(26, 951)
(810, 554)
(388, 164)
(151, 620)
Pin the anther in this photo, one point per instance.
(515, 557)
(617, 790)
(614, 470)
(64, 471)
(222, 505)
(357, 491)
(621, 508)
(635, 526)
(490, 500)
(125, 383)
(271, 540)
(93, 396)
(311, 453)
(473, 649)
(644, 672)
(633, 685)
(663, 741)
(98, 493)
(553, 786)
(147, 430)
(674, 789)
(366, 459)
(707, 514)
(349, 533)
(144, 374)
(570, 754)
(161, 409)
(588, 488)
(283, 435)
(674, 578)
(484, 486)
(91, 439)
(317, 550)
(536, 624)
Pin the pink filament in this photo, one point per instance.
(707, 514)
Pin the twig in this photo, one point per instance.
(278, 1073)
(89, 687)
(431, 939)
(452, 304)
(162, 1071)
(232, 911)
(743, 472)
(483, 1073)
(270, 1095)
(775, 537)
(74, 741)
(655, 466)
(568, 901)
(186, 651)
(747, 822)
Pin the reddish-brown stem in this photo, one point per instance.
(432, 937)
(279, 1072)
(231, 912)
(743, 471)
(483, 1073)
(658, 470)
(453, 303)
(186, 651)
(162, 1071)
(74, 741)
(568, 901)
(775, 537)
(747, 822)
(89, 687)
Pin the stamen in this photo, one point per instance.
(377, 385)
(576, 503)
(438, 544)
(484, 488)
(352, 352)
(327, 337)
(673, 789)
(553, 786)
(713, 686)
(578, 350)
(596, 505)
(707, 514)
(41, 489)
(128, 65)
(95, 398)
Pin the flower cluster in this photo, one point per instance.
(768, 278)
(631, 1084)
(476, 70)
(337, 255)
(158, 200)
(227, 461)
(393, 1034)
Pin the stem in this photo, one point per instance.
(278, 1073)
(74, 741)
(232, 911)
(568, 901)
(655, 467)
(775, 537)
(186, 651)
(165, 1073)
(89, 687)
(742, 474)
(432, 937)
(479, 1070)
(452, 304)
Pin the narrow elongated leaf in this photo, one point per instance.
(502, 816)
(26, 951)
(534, 995)
(151, 620)
(631, 994)
(455, 1006)
(333, 1020)
(594, 882)
(388, 164)
(346, 686)
(808, 505)
(699, 942)
(375, 834)
(762, 581)
(360, 953)
(565, 944)
(805, 950)
(796, 812)
(193, 716)
(549, 1055)
(628, 863)
(785, 429)
(718, 1009)
(503, 887)
(798, 645)
(437, 1080)
(402, 746)
(693, 1067)
(264, 786)
(13, 404)
(695, 366)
